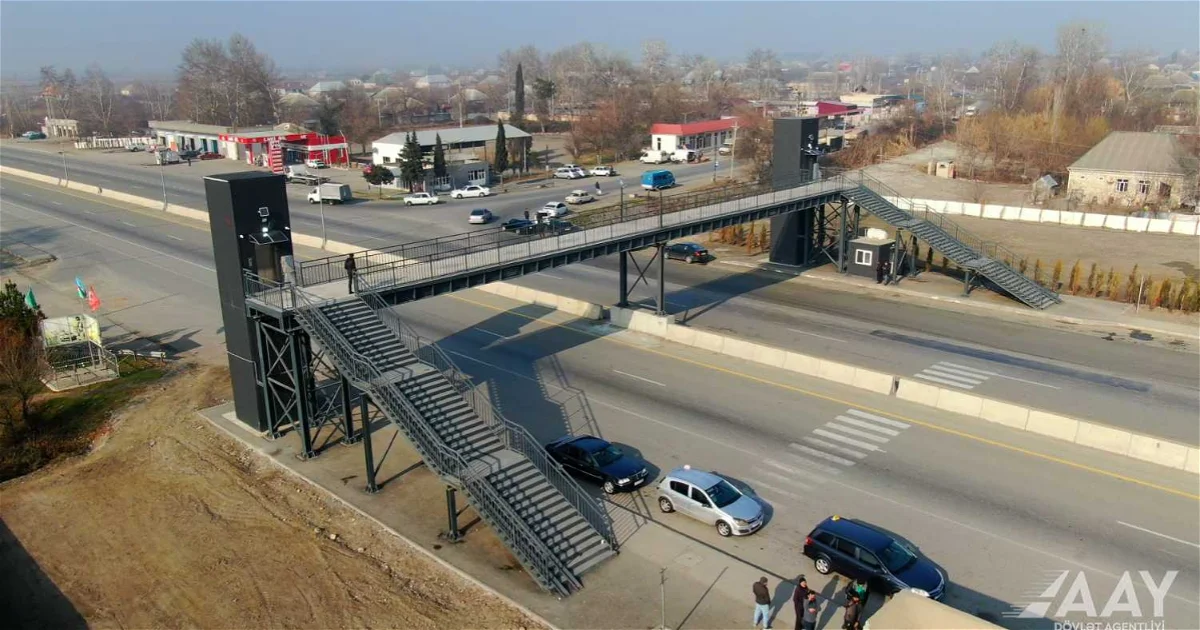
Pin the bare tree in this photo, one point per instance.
(160, 101)
(1131, 68)
(656, 57)
(1080, 47)
(100, 98)
(763, 68)
(16, 108)
(59, 89)
(530, 60)
(358, 118)
(1011, 71)
(227, 86)
(22, 365)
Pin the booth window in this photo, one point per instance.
(863, 257)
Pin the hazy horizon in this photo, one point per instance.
(131, 39)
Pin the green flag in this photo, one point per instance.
(30, 301)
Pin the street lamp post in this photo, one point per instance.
(321, 207)
(621, 182)
(163, 176)
(66, 176)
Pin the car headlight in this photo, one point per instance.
(741, 522)
(623, 481)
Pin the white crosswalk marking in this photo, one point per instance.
(867, 425)
(955, 375)
(822, 454)
(862, 434)
(834, 447)
(798, 473)
(762, 485)
(846, 440)
(879, 419)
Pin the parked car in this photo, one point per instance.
(470, 191)
(725, 149)
(604, 171)
(552, 226)
(33, 135)
(709, 498)
(421, 199)
(597, 460)
(520, 226)
(480, 215)
(553, 209)
(568, 173)
(190, 154)
(580, 196)
(862, 552)
(315, 163)
(210, 156)
(134, 148)
(687, 252)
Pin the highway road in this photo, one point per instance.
(997, 509)
(370, 224)
(1085, 373)
(970, 496)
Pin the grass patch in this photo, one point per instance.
(65, 424)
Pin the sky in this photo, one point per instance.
(131, 39)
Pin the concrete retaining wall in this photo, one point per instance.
(1179, 224)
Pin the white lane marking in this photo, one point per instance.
(174, 237)
(89, 211)
(27, 195)
(996, 374)
(799, 472)
(811, 334)
(128, 223)
(846, 440)
(547, 275)
(802, 461)
(970, 380)
(834, 447)
(874, 418)
(484, 330)
(1154, 533)
(822, 455)
(943, 381)
(781, 478)
(57, 203)
(867, 425)
(862, 434)
(118, 238)
(766, 486)
(640, 378)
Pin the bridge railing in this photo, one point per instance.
(654, 206)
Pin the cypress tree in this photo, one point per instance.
(439, 158)
(500, 163)
(518, 113)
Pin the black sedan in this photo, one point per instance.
(520, 226)
(597, 460)
(687, 252)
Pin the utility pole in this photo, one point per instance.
(733, 149)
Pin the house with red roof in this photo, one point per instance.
(704, 135)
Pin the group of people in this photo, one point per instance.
(804, 600)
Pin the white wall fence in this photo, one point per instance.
(114, 143)
(1175, 223)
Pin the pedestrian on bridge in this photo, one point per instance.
(526, 215)
(351, 271)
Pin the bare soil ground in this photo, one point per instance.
(168, 523)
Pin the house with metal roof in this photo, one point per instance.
(472, 147)
(325, 87)
(1134, 168)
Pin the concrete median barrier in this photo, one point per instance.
(918, 392)
(873, 381)
(1157, 451)
(1103, 438)
(801, 363)
(836, 372)
(1052, 425)
(709, 341)
(1014, 416)
(958, 402)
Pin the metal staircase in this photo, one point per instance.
(551, 525)
(965, 249)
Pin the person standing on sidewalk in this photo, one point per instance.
(879, 272)
(526, 215)
(762, 604)
(351, 271)
(808, 621)
(800, 599)
(858, 588)
(852, 619)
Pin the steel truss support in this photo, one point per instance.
(452, 533)
(971, 280)
(368, 451)
(830, 234)
(660, 255)
(285, 377)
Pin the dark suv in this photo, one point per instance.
(859, 551)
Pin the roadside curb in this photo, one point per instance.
(1082, 432)
(446, 564)
(895, 291)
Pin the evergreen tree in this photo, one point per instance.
(411, 166)
(500, 163)
(439, 158)
(518, 113)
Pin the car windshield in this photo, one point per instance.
(607, 455)
(723, 494)
(895, 557)
(479, 212)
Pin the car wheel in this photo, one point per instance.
(408, 203)
(609, 487)
(724, 529)
(822, 564)
(458, 196)
(664, 504)
(310, 202)
(689, 260)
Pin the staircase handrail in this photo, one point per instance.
(989, 249)
(514, 435)
(445, 460)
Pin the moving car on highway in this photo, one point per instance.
(564, 172)
(470, 191)
(708, 498)
(597, 460)
(580, 196)
(604, 171)
(421, 199)
(520, 226)
(862, 552)
(687, 252)
(480, 215)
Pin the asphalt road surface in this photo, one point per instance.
(998, 510)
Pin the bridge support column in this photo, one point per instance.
(348, 415)
(452, 532)
(662, 279)
(368, 455)
(623, 273)
(966, 282)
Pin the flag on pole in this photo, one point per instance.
(79, 290)
(30, 301)
(93, 299)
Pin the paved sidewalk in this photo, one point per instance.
(938, 291)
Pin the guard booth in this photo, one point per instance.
(866, 252)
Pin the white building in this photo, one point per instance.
(705, 135)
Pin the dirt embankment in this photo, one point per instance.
(168, 523)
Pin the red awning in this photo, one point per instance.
(691, 129)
